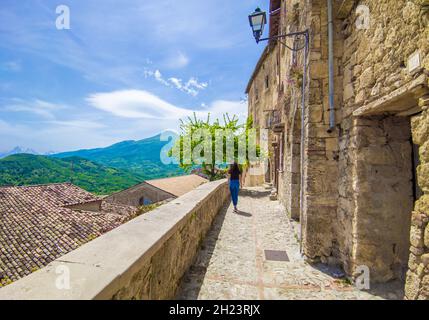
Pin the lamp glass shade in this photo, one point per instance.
(258, 20)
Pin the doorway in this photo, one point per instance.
(384, 195)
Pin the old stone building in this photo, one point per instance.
(358, 182)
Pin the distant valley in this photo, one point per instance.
(101, 170)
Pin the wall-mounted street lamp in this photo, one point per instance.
(257, 20)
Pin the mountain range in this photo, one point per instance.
(101, 170)
(17, 150)
(141, 157)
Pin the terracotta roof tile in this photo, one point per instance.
(36, 228)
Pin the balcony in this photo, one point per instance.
(195, 248)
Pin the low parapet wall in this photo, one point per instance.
(142, 259)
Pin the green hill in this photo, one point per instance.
(141, 157)
(27, 169)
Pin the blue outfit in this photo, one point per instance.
(234, 188)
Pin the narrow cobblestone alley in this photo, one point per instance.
(234, 263)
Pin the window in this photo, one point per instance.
(267, 82)
(144, 201)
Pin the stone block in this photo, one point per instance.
(375, 155)
(357, 70)
(424, 292)
(319, 70)
(360, 97)
(366, 79)
(423, 176)
(331, 144)
(425, 259)
(316, 115)
(348, 92)
(412, 286)
(426, 237)
(420, 128)
(417, 251)
(424, 152)
(416, 237)
(424, 101)
(422, 207)
(413, 262)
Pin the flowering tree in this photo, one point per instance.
(210, 147)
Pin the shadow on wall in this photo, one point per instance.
(392, 290)
(254, 194)
(197, 272)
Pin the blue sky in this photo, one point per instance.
(125, 70)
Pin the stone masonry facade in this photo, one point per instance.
(364, 183)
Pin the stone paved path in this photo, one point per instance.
(232, 262)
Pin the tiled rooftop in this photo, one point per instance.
(178, 186)
(36, 227)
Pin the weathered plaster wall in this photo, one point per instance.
(142, 259)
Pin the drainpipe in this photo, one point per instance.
(331, 67)
(304, 85)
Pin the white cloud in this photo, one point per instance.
(134, 104)
(38, 107)
(81, 124)
(191, 87)
(139, 104)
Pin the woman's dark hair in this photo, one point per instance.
(234, 167)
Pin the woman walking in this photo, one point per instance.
(234, 183)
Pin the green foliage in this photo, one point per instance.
(190, 129)
(26, 169)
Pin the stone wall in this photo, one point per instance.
(417, 285)
(263, 97)
(357, 181)
(375, 160)
(142, 259)
(290, 177)
(320, 181)
(134, 195)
